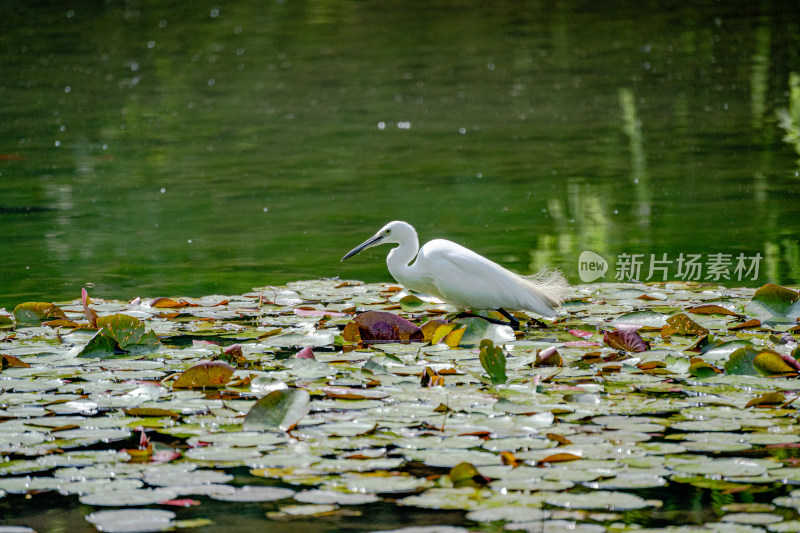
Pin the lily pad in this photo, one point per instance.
(34, 313)
(278, 410)
(208, 374)
(132, 520)
(381, 326)
(775, 303)
(120, 334)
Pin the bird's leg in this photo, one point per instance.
(513, 322)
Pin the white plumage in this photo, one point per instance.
(462, 277)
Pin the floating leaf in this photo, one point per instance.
(769, 363)
(118, 335)
(626, 339)
(431, 327)
(128, 520)
(769, 399)
(278, 410)
(681, 324)
(168, 303)
(381, 326)
(453, 339)
(748, 324)
(208, 374)
(751, 361)
(493, 360)
(33, 313)
(151, 411)
(466, 475)
(560, 458)
(679, 365)
(711, 309)
(776, 303)
(9, 361)
(701, 369)
(641, 319)
(411, 303)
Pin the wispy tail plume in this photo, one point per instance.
(551, 282)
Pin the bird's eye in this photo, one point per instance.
(387, 232)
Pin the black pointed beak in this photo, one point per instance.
(372, 241)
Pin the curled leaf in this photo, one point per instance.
(91, 316)
(548, 357)
(305, 353)
(431, 379)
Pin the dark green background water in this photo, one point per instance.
(187, 148)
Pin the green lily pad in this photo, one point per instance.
(34, 313)
(278, 410)
(775, 303)
(120, 335)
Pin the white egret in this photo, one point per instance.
(463, 278)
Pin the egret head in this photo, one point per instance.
(393, 232)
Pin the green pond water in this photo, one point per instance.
(154, 148)
(191, 148)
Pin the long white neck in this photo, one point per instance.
(399, 258)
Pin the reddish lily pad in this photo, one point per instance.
(626, 339)
(91, 316)
(382, 326)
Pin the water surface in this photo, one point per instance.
(175, 149)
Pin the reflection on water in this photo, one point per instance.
(159, 149)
